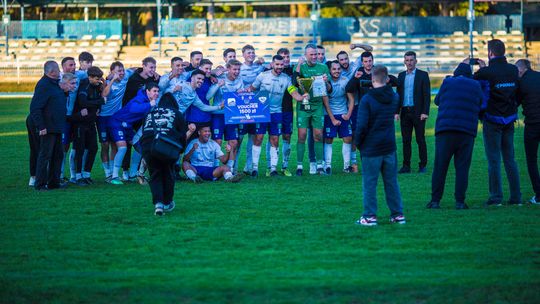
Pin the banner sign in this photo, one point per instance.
(241, 108)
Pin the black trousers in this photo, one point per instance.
(33, 141)
(49, 161)
(531, 138)
(85, 139)
(447, 145)
(410, 121)
(161, 179)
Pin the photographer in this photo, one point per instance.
(166, 120)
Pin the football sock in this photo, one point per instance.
(228, 175)
(72, 163)
(135, 161)
(286, 150)
(268, 161)
(328, 155)
(273, 158)
(353, 157)
(300, 151)
(319, 152)
(230, 163)
(256, 154)
(249, 154)
(118, 158)
(191, 174)
(346, 152)
(106, 168)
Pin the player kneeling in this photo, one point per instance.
(200, 157)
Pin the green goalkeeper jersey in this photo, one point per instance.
(307, 71)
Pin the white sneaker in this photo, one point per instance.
(312, 168)
(534, 201)
(32, 181)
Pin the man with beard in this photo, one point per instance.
(276, 84)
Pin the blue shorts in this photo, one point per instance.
(67, 133)
(206, 173)
(353, 117)
(104, 128)
(119, 133)
(244, 129)
(287, 122)
(221, 130)
(273, 127)
(343, 130)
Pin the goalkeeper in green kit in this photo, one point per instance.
(311, 77)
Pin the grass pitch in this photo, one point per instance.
(269, 240)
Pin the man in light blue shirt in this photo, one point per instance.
(113, 93)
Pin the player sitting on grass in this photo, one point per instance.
(200, 158)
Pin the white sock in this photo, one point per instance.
(286, 151)
(256, 154)
(353, 157)
(118, 158)
(72, 164)
(135, 161)
(106, 168)
(191, 174)
(249, 154)
(273, 158)
(268, 161)
(299, 166)
(230, 163)
(125, 175)
(228, 175)
(78, 176)
(346, 152)
(86, 174)
(328, 155)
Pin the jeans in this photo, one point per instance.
(499, 140)
(387, 166)
(531, 138)
(447, 145)
(49, 161)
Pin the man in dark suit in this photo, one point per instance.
(528, 96)
(414, 92)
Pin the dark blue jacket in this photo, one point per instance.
(48, 105)
(134, 111)
(375, 131)
(459, 100)
(194, 114)
(503, 82)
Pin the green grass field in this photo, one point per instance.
(269, 240)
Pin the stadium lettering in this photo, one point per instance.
(368, 26)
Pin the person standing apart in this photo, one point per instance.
(414, 92)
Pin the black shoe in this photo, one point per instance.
(433, 205)
(493, 203)
(42, 189)
(81, 182)
(461, 206)
(328, 170)
(273, 173)
(514, 203)
(254, 173)
(404, 170)
(422, 170)
(61, 185)
(88, 180)
(299, 172)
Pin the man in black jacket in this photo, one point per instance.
(499, 117)
(529, 98)
(414, 92)
(48, 112)
(84, 118)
